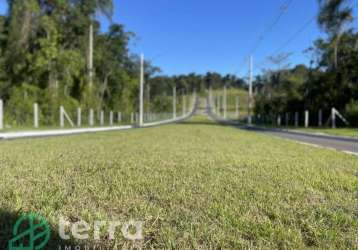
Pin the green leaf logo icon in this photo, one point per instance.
(31, 232)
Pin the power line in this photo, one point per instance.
(291, 39)
(283, 9)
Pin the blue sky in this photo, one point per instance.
(200, 35)
(183, 36)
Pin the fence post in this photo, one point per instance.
(111, 118)
(210, 96)
(334, 118)
(307, 119)
(91, 118)
(119, 117)
(174, 102)
(36, 115)
(279, 120)
(296, 119)
(1, 114)
(222, 108)
(237, 108)
(320, 116)
(62, 118)
(132, 118)
(216, 104)
(184, 104)
(287, 119)
(79, 117)
(102, 118)
(225, 102)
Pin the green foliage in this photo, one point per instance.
(333, 15)
(50, 107)
(323, 87)
(162, 104)
(19, 108)
(281, 91)
(332, 79)
(351, 112)
(45, 43)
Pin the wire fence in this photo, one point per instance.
(32, 115)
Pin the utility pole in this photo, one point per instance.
(141, 94)
(250, 91)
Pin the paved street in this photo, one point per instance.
(341, 144)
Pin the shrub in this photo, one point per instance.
(19, 107)
(162, 104)
(352, 113)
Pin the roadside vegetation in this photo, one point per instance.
(329, 81)
(195, 185)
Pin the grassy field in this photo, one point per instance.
(195, 185)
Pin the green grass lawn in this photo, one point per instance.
(196, 185)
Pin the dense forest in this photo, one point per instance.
(331, 79)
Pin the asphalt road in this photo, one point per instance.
(345, 144)
(339, 143)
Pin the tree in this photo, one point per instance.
(333, 17)
(111, 53)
